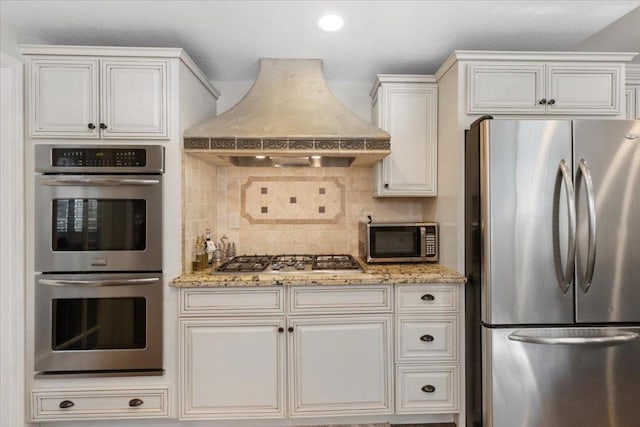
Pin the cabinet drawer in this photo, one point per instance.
(432, 338)
(196, 302)
(99, 404)
(426, 298)
(422, 390)
(337, 299)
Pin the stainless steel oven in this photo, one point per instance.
(98, 209)
(98, 259)
(98, 322)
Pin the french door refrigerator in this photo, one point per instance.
(553, 266)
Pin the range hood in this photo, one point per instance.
(289, 117)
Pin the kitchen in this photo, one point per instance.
(222, 191)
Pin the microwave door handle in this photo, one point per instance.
(98, 181)
(92, 283)
(423, 239)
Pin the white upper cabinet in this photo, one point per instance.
(406, 107)
(632, 91)
(629, 100)
(64, 98)
(534, 87)
(98, 98)
(506, 89)
(133, 98)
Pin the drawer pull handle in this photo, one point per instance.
(427, 297)
(134, 403)
(428, 389)
(427, 338)
(66, 404)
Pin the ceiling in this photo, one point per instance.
(226, 38)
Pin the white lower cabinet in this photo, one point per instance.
(317, 355)
(340, 365)
(426, 389)
(233, 368)
(427, 342)
(88, 404)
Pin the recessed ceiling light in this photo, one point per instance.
(331, 22)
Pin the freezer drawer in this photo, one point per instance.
(561, 377)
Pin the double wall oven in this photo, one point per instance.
(98, 257)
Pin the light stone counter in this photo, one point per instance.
(384, 274)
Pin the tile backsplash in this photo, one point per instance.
(308, 210)
(199, 197)
(292, 210)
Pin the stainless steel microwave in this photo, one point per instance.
(398, 241)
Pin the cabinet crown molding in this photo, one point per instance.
(494, 55)
(400, 78)
(118, 51)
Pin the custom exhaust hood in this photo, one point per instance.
(289, 117)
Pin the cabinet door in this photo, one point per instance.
(134, 99)
(340, 365)
(506, 89)
(409, 113)
(590, 90)
(630, 104)
(232, 368)
(64, 98)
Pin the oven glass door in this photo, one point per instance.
(98, 223)
(395, 242)
(98, 322)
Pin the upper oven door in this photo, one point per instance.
(98, 223)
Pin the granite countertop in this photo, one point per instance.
(385, 274)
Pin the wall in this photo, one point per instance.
(621, 36)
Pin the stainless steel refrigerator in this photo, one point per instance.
(553, 265)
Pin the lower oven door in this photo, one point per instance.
(98, 322)
(92, 223)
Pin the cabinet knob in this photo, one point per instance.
(103, 126)
(428, 389)
(65, 404)
(134, 403)
(290, 329)
(281, 329)
(91, 126)
(427, 338)
(386, 186)
(552, 101)
(427, 297)
(542, 101)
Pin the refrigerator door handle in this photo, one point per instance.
(583, 171)
(567, 277)
(573, 337)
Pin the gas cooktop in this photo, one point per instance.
(290, 264)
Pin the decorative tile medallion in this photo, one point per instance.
(292, 200)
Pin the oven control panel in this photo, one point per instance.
(98, 157)
(103, 160)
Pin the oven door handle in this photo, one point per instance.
(91, 283)
(98, 181)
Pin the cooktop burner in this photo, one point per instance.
(290, 264)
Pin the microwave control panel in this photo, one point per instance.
(430, 241)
